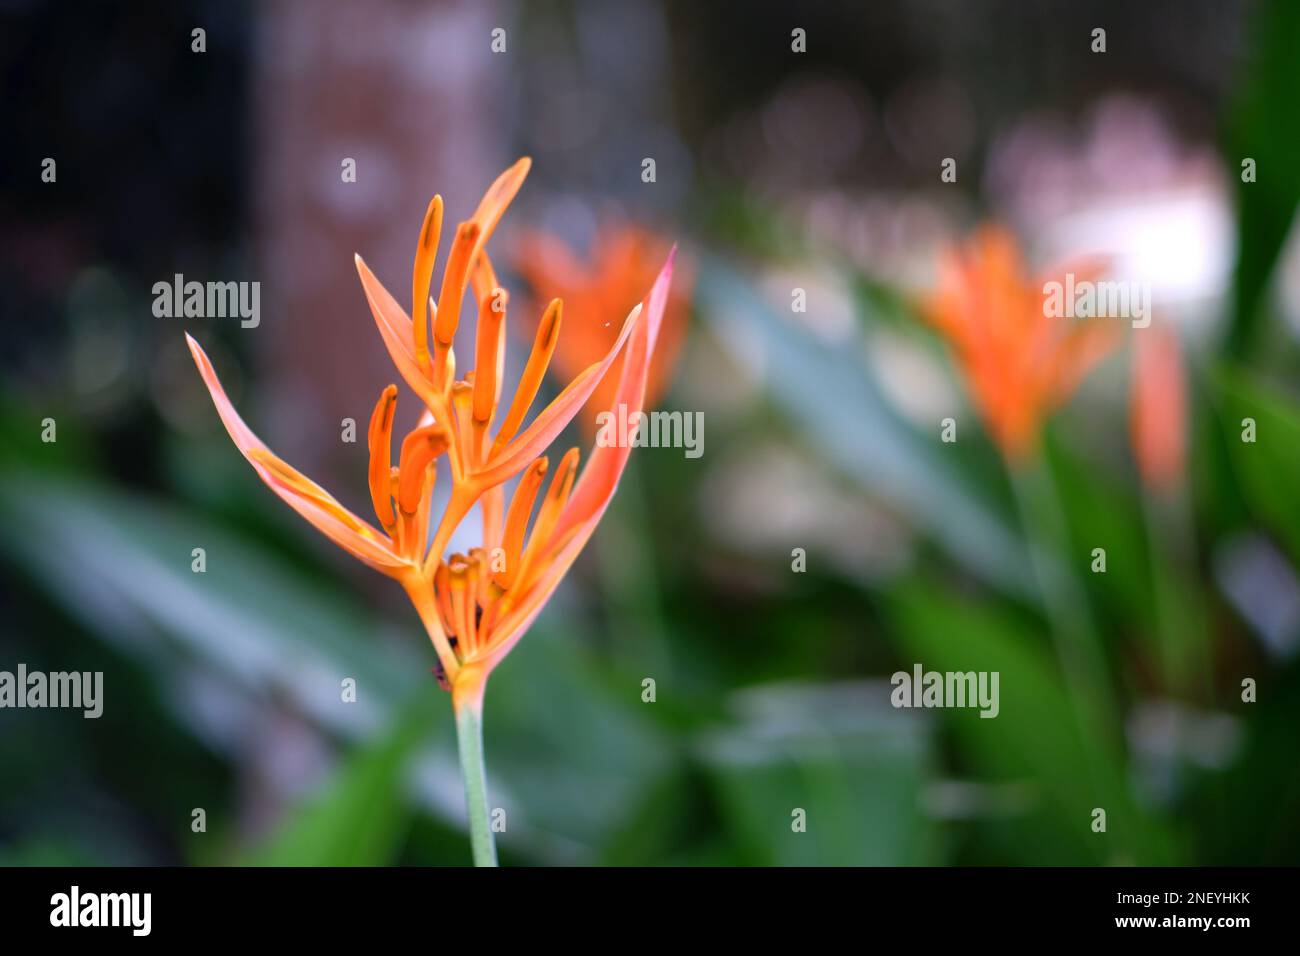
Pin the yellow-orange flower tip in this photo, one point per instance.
(488, 356)
(499, 195)
(379, 441)
(454, 280)
(422, 274)
(419, 449)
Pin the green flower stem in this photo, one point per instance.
(469, 738)
(1078, 645)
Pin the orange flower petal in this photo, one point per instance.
(596, 486)
(493, 504)
(425, 254)
(419, 449)
(1159, 407)
(553, 419)
(557, 495)
(548, 331)
(498, 197)
(622, 266)
(600, 478)
(1019, 362)
(488, 354)
(301, 493)
(546, 261)
(521, 509)
(380, 439)
(395, 330)
(483, 278)
(455, 277)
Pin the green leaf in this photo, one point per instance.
(570, 752)
(1040, 737)
(360, 817)
(829, 393)
(834, 759)
(123, 565)
(1102, 512)
(1265, 779)
(567, 754)
(1266, 468)
(1263, 128)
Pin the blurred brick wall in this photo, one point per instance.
(396, 86)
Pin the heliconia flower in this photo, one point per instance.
(622, 265)
(475, 607)
(1158, 407)
(1019, 362)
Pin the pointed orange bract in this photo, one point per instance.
(1020, 363)
(476, 606)
(1158, 407)
(622, 266)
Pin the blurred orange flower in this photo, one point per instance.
(475, 606)
(1158, 407)
(622, 267)
(1019, 361)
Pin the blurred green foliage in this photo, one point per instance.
(1262, 129)
(772, 687)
